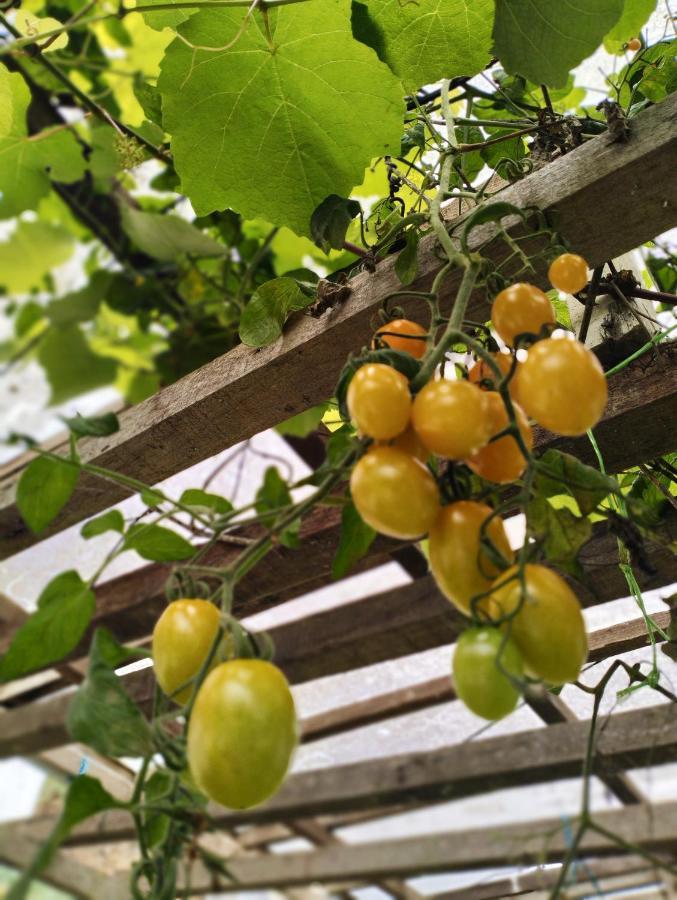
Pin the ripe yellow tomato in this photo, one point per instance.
(502, 460)
(379, 401)
(549, 629)
(480, 370)
(394, 493)
(521, 309)
(409, 442)
(242, 733)
(182, 638)
(633, 45)
(562, 386)
(569, 273)
(451, 418)
(481, 659)
(460, 565)
(397, 334)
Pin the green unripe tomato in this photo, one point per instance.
(478, 677)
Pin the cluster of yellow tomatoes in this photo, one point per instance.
(560, 385)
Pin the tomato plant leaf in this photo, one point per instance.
(85, 797)
(406, 264)
(330, 221)
(272, 497)
(166, 237)
(44, 488)
(543, 41)
(112, 520)
(202, 501)
(93, 426)
(355, 540)
(65, 608)
(304, 423)
(267, 311)
(275, 122)
(157, 543)
(558, 472)
(427, 40)
(101, 714)
(561, 532)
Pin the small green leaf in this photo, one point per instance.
(561, 532)
(413, 137)
(264, 316)
(94, 426)
(406, 264)
(356, 539)
(44, 489)
(165, 237)
(65, 608)
(271, 497)
(152, 498)
(112, 520)
(157, 825)
(157, 543)
(588, 486)
(101, 714)
(330, 221)
(202, 501)
(304, 423)
(86, 796)
(543, 41)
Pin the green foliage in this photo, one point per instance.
(543, 41)
(101, 713)
(71, 365)
(272, 498)
(157, 543)
(427, 40)
(44, 488)
(406, 264)
(560, 532)
(30, 252)
(634, 17)
(204, 502)
(65, 608)
(303, 423)
(559, 473)
(93, 426)
(113, 520)
(331, 220)
(294, 118)
(265, 314)
(355, 541)
(166, 237)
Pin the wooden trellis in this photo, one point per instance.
(607, 198)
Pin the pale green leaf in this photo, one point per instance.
(543, 40)
(630, 24)
(30, 252)
(204, 502)
(270, 130)
(165, 18)
(32, 26)
(265, 314)
(71, 366)
(44, 488)
(166, 237)
(426, 40)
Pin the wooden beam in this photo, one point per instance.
(594, 194)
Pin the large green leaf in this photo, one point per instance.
(166, 237)
(27, 163)
(44, 488)
(102, 715)
(165, 18)
(71, 365)
(635, 15)
(64, 611)
(272, 126)
(427, 40)
(543, 40)
(267, 311)
(30, 252)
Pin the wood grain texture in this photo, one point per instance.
(593, 193)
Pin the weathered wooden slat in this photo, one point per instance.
(595, 193)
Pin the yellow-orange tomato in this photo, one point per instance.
(451, 418)
(242, 733)
(379, 401)
(182, 638)
(569, 273)
(481, 371)
(409, 442)
(404, 335)
(633, 45)
(562, 386)
(460, 565)
(502, 460)
(549, 629)
(394, 493)
(521, 309)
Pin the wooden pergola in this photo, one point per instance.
(607, 198)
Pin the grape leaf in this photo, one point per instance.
(32, 26)
(634, 17)
(30, 252)
(270, 127)
(165, 18)
(165, 237)
(543, 41)
(28, 162)
(427, 40)
(71, 365)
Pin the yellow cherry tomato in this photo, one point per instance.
(451, 418)
(394, 493)
(404, 335)
(549, 629)
(242, 733)
(409, 442)
(562, 386)
(182, 638)
(460, 564)
(379, 401)
(568, 273)
(481, 659)
(502, 460)
(521, 309)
